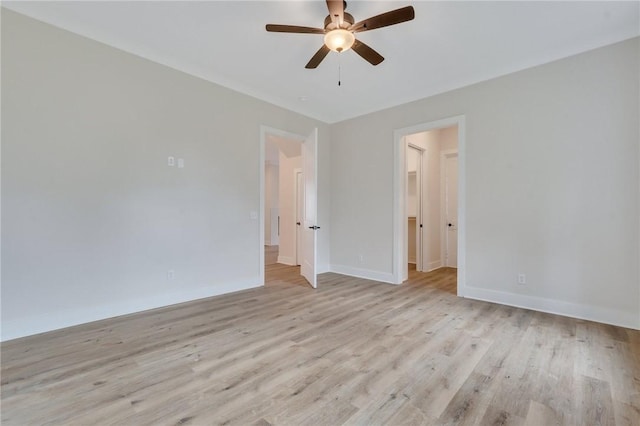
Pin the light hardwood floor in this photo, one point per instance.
(271, 255)
(351, 352)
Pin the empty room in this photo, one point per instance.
(320, 213)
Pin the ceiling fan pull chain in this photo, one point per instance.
(339, 71)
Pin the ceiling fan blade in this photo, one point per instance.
(393, 17)
(318, 57)
(369, 55)
(275, 28)
(336, 11)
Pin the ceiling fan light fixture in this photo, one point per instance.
(339, 31)
(339, 40)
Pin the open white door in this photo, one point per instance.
(309, 172)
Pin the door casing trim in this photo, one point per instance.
(399, 261)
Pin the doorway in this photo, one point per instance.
(441, 200)
(431, 199)
(287, 201)
(414, 197)
(449, 191)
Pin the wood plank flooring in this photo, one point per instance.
(271, 255)
(351, 352)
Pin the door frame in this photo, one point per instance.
(422, 249)
(264, 131)
(297, 172)
(399, 261)
(444, 155)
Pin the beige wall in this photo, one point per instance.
(551, 177)
(92, 217)
(448, 138)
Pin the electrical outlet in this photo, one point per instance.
(181, 163)
(171, 274)
(361, 258)
(522, 279)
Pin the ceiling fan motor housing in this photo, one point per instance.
(340, 31)
(346, 22)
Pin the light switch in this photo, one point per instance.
(253, 215)
(181, 163)
(171, 161)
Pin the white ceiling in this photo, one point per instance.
(448, 45)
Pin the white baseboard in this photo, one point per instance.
(411, 262)
(434, 265)
(567, 309)
(286, 260)
(362, 273)
(14, 329)
(431, 267)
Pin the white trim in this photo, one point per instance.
(436, 264)
(42, 323)
(261, 210)
(556, 307)
(416, 147)
(422, 248)
(462, 206)
(264, 131)
(399, 194)
(368, 274)
(286, 260)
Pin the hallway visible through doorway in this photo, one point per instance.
(289, 199)
(279, 274)
(431, 199)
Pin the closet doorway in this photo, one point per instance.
(415, 240)
(429, 210)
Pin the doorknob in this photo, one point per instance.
(451, 224)
(298, 223)
(314, 227)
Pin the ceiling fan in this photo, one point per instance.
(339, 31)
